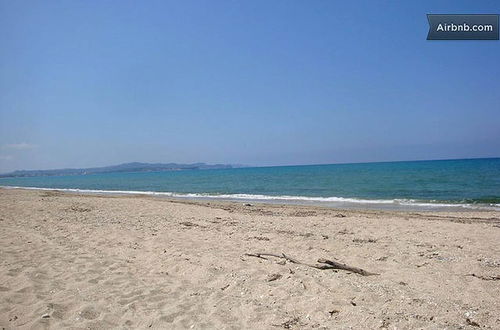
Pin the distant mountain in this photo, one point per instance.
(127, 167)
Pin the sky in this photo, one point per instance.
(96, 83)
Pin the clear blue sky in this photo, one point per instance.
(91, 83)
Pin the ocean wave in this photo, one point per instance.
(334, 201)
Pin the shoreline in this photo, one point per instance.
(403, 205)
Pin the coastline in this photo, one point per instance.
(100, 261)
(405, 205)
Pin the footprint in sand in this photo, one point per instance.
(89, 313)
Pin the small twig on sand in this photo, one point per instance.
(324, 263)
(485, 278)
(338, 265)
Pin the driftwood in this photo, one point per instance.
(324, 264)
(485, 278)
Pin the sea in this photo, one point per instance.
(462, 184)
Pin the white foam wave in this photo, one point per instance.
(333, 201)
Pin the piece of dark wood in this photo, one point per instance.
(338, 265)
(324, 263)
(485, 278)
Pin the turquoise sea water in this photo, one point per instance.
(455, 184)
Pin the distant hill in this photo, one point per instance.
(127, 167)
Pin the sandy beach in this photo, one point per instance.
(99, 262)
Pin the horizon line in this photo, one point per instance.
(258, 166)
